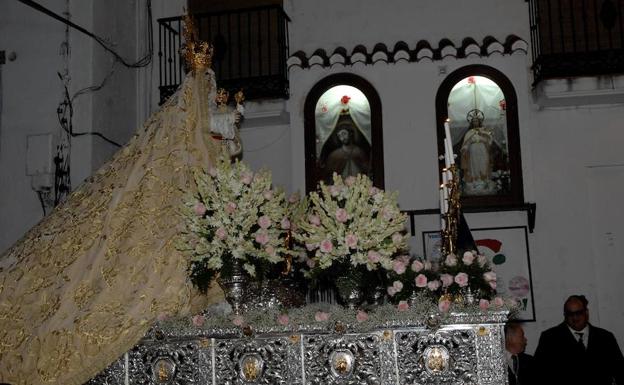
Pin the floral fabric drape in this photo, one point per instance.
(85, 284)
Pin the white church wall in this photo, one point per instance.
(114, 106)
(30, 92)
(329, 24)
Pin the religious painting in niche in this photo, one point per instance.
(343, 133)
(478, 123)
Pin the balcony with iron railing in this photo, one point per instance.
(575, 38)
(250, 51)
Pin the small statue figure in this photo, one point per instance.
(221, 99)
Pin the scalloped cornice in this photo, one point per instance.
(423, 50)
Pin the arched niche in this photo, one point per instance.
(337, 107)
(482, 107)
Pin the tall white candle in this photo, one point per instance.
(442, 212)
(449, 149)
(447, 130)
(449, 139)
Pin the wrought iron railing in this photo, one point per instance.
(572, 38)
(250, 51)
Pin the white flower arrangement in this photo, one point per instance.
(235, 214)
(352, 222)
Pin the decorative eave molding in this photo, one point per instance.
(401, 52)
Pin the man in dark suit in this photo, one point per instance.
(576, 352)
(519, 364)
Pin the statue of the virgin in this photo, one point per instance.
(84, 285)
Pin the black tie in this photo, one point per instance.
(514, 363)
(580, 340)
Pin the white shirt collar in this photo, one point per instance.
(585, 332)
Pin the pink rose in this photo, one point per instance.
(334, 190)
(351, 241)
(230, 207)
(220, 233)
(482, 260)
(268, 194)
(212, 171)
(397, 239)
(421, 280)
(198, 320)
(405, 259)
(484, 304)
(270, 250)
(311, 246)
(397, 285)
(468, 258)
(391, 291)
(294, 197)
(461, 279)
(238, 321)
(162, 316)
(444, 305)
(361, 316)
(200, 209)
(246, 178)
(283, 319)
(341, 215)
(373, 256)
(398, 267)
(264, 222)
(311, 263)
(315, 220)
(321, 316)
(373, 190)
(262, 237)
(402, 306)
(387, 213)
(451, 260)
(433, 285)
(447, 280)
(489, 276)
(350, 181)
(326, 246)
(417, 266)
(285, 223)
(499, 302)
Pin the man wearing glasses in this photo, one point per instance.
(576, 352)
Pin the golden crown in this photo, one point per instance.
(197, 53)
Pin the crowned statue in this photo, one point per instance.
(86, 283)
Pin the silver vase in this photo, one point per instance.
(349, 292)
(234, 287)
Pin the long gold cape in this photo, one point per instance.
(85, 284)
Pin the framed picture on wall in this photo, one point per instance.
(432, 245)
(507, 249)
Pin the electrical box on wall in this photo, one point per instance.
(40, 160)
